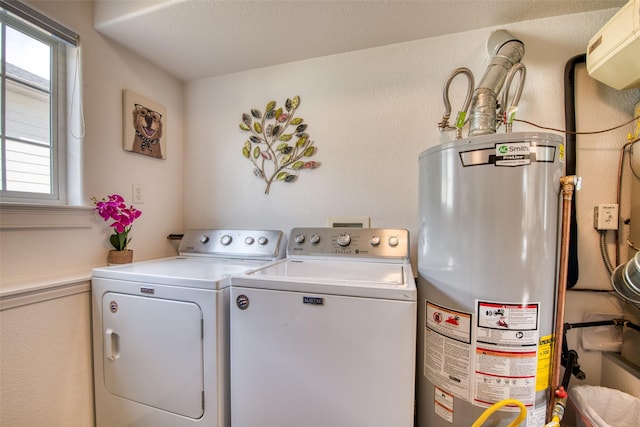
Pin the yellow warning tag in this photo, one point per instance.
(545, 349)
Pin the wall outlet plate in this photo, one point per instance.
(138, 193)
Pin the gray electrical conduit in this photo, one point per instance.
(605, 252)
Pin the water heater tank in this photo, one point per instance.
(613, 55)
(487, 258)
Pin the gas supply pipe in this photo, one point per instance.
(493, 408)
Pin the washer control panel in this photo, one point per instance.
(232, 243)
(388, 243)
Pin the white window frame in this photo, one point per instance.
(64, 61)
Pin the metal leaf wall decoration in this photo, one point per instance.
(278, 144)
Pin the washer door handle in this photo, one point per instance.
(111, 345)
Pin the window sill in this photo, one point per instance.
(17, 216)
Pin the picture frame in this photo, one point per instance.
(143, 125)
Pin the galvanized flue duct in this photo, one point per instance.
(506, 51)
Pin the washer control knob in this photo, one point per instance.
(226, 240)
(249, 240)
(204, 239)
(262, 240)
(344, 239)
(314, 239)
(393, 241)
(299, 238)
(375, 240)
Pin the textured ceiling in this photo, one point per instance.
(193, 39)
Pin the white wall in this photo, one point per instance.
(45, 358)
(372, 112)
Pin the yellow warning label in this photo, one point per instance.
(561, 152)
(545, 350)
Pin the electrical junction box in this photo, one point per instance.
(605, 217)
(613, 54)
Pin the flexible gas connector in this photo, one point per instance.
(493, 408)
(462, 114)
(559, 407)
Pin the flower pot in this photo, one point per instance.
(120, 257)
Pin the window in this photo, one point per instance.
(36, 55)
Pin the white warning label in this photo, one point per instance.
(506, 352)
(447, 349)
(443, 404)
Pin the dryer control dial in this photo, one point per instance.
(249, 240)
(314, 239)
(226, 240)
(299, 238)
(393, 241)
(262, 240)
(344, 239)
(204, 239)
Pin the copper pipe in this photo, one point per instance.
(568, 184)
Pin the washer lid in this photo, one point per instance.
(353, 278)
(195, 272)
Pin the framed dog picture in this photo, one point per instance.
(143, 125)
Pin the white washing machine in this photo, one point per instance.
(326, 337)
(161, 330)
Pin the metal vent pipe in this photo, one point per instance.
(506, 51)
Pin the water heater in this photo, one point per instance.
(487, 274)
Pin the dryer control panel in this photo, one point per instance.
(233, 243)
(382, 243)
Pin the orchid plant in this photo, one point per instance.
(114, 208)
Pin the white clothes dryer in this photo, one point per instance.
(326, 337)
(161, 330)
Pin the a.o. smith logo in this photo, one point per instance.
(513, 154)
(513, 149)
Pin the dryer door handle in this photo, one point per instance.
(111, 345)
